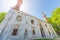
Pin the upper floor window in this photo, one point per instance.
(46, 25)
(40, 26)
(18, 18)
(32, 21)
(49, 32)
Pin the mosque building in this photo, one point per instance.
(19, 25)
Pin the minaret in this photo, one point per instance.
(18, 5)
(45, 18)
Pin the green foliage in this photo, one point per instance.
(55, 20)
(2, 16)
(56, 16)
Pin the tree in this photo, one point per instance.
(2, 16)
(55, 20)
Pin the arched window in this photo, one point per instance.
(32, 21)
(18, 18)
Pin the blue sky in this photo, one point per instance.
(33, 7)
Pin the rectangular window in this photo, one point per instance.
(25, 34)
(49, 32)
(15, 32)
(42, 31)
(46, 25)
(33, 32)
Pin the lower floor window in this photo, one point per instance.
(42, 32)
(14, 32)
(25, 34)
(33, 32)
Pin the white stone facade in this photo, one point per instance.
(18, 25)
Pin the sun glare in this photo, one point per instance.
(7, 4)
